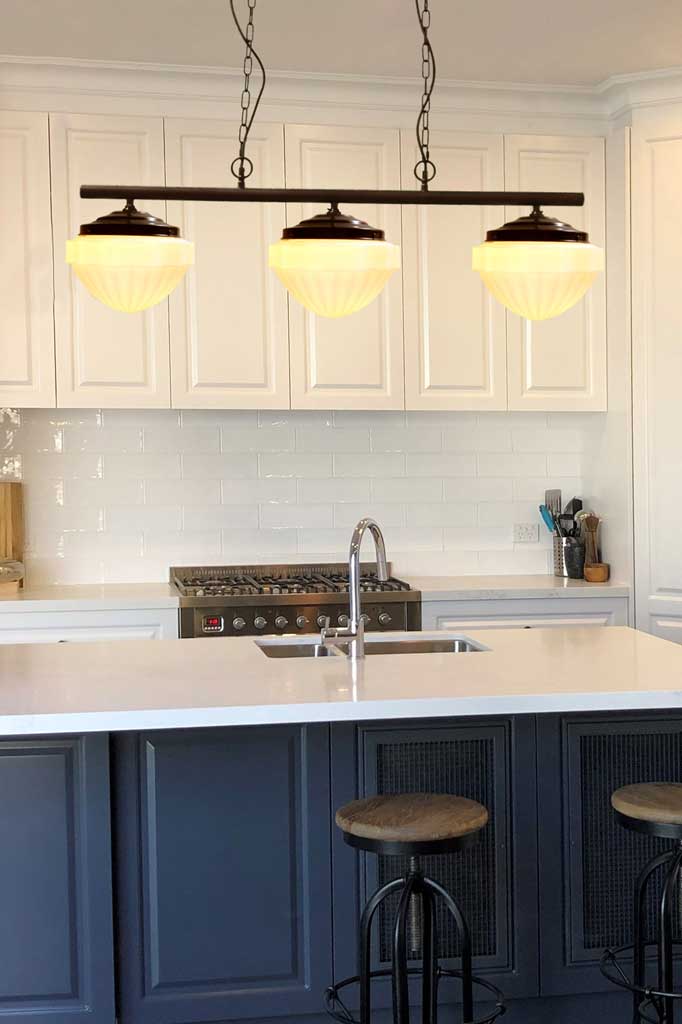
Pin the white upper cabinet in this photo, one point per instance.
(355, 362)
(26, 323)
(104, 358)
(455, 333)
(560, 364)
(657, 368)
(228, 326)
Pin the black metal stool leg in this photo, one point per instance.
(401, 993)
(466, 954)
(429, 958)
(365, 965)
(639, 929)
(665, 941)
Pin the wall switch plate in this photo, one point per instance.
(526, 533)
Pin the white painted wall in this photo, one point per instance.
(118, 495)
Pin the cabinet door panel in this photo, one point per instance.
(657, 369)
(491, 760)
(355, 362)
(560, 364)
(223, 841)
(229, 328)
(104, 358)
(55, 929)
(26, 322)
(455, 332)
(588, 863)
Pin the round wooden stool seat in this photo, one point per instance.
(653, 807)
(411, 822)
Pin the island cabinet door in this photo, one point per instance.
(223, 873)
(495, 881)
(588, 863)
(56, 947)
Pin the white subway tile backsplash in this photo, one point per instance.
(313, 439)
(181, 492)
(140, 467)
(369, 465)
(295, 465)
(336, 490)
(124, 494)
(441, 465)
(246, 492)
(219, 517)
(512, 465)
(218, 467)
(441, 514)
(296, 516)
(407, 489)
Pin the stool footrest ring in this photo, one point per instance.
(651, 997)
(338, 1011)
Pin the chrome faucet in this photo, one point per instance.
(354, 633)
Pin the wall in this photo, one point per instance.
(121, 495)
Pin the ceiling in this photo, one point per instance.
(577, 43)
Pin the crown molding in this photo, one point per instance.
(176, 85)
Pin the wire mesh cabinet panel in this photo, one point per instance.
(588, 863)
(489, 760)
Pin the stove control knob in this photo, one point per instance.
(323, 621)
(238, 623)
(199, 592)
(384, 619)
(343, 620)
(301, 621)
(281, 622)
(259, 622)
(366, 619)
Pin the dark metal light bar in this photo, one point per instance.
(348, 196)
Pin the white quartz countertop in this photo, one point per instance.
(164, 684)
(115, 596)
(90, 597)
(501, 588)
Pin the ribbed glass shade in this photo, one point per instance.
(129, 273)
(334, 277)
(538, 280)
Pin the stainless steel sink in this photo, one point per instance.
(298, 650)
(409, 644)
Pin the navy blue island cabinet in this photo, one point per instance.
(223, 873)
(56, 948)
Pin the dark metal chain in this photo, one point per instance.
(424, 169)
(242, 166)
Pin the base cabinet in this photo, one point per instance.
(589, 863)
(223, 873)
(489, 760)
(55, 876)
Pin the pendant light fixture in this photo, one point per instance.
(129, 260)
(335, 264)
(537, 266)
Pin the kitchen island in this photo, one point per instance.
(168, 810)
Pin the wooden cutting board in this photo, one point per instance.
(11, 521)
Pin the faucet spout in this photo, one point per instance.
(354, 633)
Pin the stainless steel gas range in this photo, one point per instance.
(258, 600)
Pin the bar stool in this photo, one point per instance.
(654, 809)
(412, 825)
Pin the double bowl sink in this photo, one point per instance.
(408, 643)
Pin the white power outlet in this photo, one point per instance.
(526, 533)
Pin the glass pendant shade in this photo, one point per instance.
(536, 266)
(129, 260)
(332, 264)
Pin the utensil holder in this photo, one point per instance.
(569, 558)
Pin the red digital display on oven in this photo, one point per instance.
(212, 624)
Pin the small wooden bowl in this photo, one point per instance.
(597, 573)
